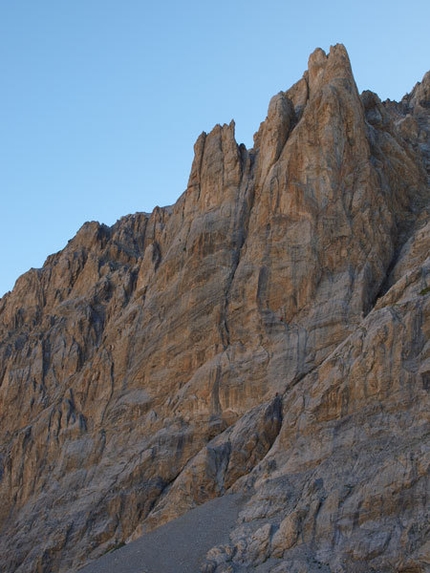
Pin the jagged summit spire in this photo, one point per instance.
(324, 68)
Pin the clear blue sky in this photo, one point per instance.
(101, 101)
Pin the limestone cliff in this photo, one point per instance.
(267, 334)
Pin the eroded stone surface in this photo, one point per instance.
(267, 334)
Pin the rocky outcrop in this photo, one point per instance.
(266, 334)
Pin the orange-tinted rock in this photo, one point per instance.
(139, 367)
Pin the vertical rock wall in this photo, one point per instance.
(266, 333)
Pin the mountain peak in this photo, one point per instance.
(265, 335)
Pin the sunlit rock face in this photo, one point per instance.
(267, 334)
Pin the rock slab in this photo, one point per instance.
(266, 335)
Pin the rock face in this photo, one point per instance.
(268, 335)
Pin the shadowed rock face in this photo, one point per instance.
(267, 334)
